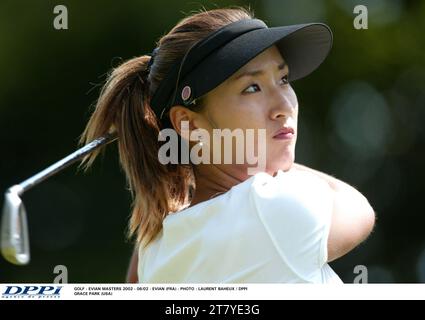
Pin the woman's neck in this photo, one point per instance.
(212, 181)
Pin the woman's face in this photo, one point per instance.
(258, 96)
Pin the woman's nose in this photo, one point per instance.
(282, 103)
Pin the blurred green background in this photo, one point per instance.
(361, 120)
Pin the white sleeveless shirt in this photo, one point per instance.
(263, 230)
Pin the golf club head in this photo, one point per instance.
(14, 228)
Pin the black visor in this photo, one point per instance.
(214, 59)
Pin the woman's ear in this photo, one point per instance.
(182, 119)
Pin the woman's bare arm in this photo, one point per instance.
(353, 217)
(132, 268)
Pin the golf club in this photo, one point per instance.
(14, 228)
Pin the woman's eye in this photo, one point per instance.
(285, 79)
(251, 86)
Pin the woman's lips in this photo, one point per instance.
(284, 133)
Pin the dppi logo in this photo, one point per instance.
(32, 292)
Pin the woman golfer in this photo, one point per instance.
(207, 219)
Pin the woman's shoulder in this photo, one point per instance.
(293, 195)
(291, 180)
(219, 202)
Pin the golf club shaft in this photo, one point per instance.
(14, 228)
(65, 162)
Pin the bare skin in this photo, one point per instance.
(265, 100)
